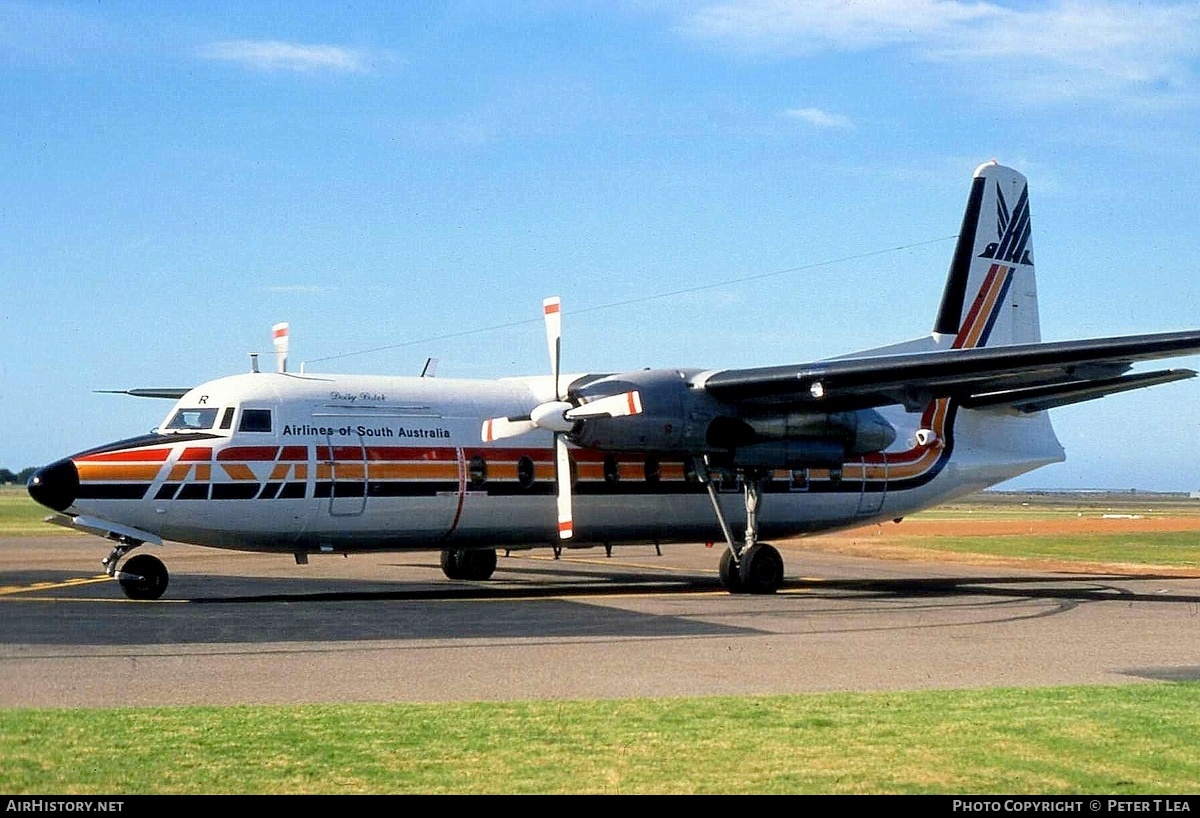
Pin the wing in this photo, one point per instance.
(168, 392)
(1025, 377)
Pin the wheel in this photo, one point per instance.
(473, 564)
(452, 564)
(761, 569)
(478, 563)
(143, 577)
(731, 579)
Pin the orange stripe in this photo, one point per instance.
(117, 471)
(239, 471)
(417, 471)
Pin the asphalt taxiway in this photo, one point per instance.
(253, 628)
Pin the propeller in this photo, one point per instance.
(279, 333)
(560, 416)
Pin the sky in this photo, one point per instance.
(707, 184)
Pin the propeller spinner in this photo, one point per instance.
(560, 416)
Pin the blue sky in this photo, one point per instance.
(704, 183)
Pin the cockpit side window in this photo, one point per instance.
(227, 418)
(255, 420)
(193, 419)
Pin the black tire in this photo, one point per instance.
(475, 564)
(145, 577)
(731, 578)
(478, 563)
(452, 564)
(761, 569)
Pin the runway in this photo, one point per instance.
(254, 629)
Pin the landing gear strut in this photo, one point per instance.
(747, 566)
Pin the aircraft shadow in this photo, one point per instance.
(215, 610)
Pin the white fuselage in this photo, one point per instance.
(309, 463)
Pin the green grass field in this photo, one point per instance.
(20, 516)
(1103, 740)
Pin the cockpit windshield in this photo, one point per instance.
(193, 419)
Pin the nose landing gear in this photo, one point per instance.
(143, 577)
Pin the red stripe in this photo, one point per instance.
(294, 453)
(248, 453)
(553, 308)
(128, 456)
(410, 453)
(195, 453)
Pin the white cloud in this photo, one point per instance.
(273, 55)
(818, 118)
(1064, 51)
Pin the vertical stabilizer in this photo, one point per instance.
(990, 297)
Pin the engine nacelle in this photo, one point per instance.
(674, 418)
(788, 454)
(679, 418)
(860, 432)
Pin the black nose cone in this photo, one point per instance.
(55, 486)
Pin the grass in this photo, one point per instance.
(1115, 740)
(1177, 549)
(20, 516)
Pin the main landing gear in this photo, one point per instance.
(746, 567)
(469, 563)
(142, 577)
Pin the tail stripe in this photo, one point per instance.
(982, 316)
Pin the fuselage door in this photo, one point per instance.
(874, 486)
(342, 477)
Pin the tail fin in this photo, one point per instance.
(990, 297)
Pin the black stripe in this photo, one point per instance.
(193, 491)
(112, 491)
(235, 491)
(949, 316)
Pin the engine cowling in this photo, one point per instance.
(677, 417)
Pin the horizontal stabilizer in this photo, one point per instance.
(169, 392)
(1048, 397)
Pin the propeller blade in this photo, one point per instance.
(562, 468)
(552, 310)
(501, 428)
(279, 333)
(614, 406)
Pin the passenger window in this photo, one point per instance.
(477, 472)
(525, 473)
(255, 420)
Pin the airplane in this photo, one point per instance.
(304, 464)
